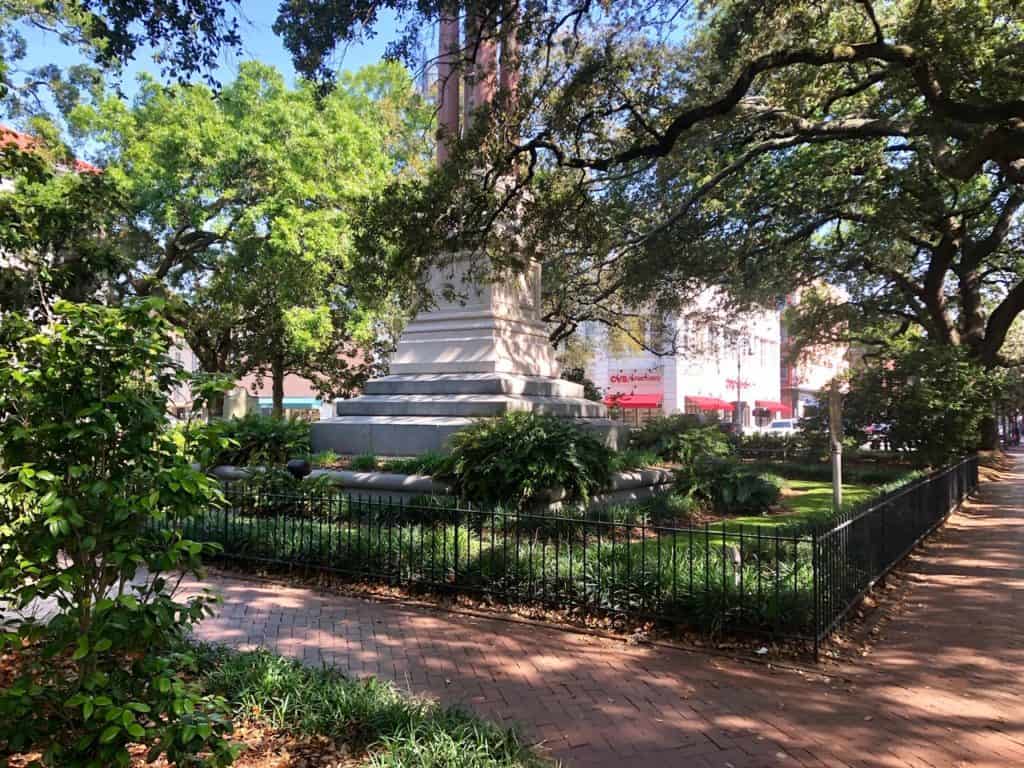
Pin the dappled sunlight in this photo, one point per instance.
(940, 685)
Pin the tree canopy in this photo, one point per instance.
(659, 147)
(240, 206)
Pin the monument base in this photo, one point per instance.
(481, 351)
(407, 415)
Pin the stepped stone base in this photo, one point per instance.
(481, 351)
(412, 414)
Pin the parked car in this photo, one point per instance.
(782, 427)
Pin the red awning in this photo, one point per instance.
(709, 403)
(774, 405)
(633, 401)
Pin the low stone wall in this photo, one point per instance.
(634, 485)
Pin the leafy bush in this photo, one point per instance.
(429, 463)
(933, 399)
(510, 460)
(260, 440)
(739, 492)
(761, 443)
(579, 376)
(682, 438)
(94, 492)
(364, 462)
(632, 458)
(324, 458)
(727, 486)
(817, 470)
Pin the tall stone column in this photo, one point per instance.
(448, 85)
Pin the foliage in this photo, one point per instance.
(363, 714)
(739, 491)
(510, 460)
(242, 205)
(633, 458)
(579, 376)
(90, 479)
(185, 39)
(933, 399)
(258, 440)
(727, 486)
(681, 437)
(429, 463)
(51, 222)
(325, 458)
(365, 462)
(880, 474)
(760, 443)
(748, 145)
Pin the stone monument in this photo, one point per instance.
(481, 349)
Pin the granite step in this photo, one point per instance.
(467, 405)
(414, 435)
(472, 384)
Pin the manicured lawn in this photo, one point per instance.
(808, 501)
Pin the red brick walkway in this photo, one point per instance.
(944, 687)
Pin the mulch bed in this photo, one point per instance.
(262, 748)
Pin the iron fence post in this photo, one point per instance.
(814, 586)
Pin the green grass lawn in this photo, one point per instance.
(808, 501)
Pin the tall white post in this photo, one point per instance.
(835, 428)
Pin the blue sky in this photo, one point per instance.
(258, 42)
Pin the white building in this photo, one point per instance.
(720, 360)
(807, 371)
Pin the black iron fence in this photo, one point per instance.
(862, 546)
(718, 577)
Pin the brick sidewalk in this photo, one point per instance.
(943, 687)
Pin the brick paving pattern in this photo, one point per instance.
(943, 687)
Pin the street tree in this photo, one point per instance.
(662, 146)
(241, 206)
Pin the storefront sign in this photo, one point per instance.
(633, 378)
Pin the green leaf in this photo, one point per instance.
(109, 734)
(82, 650)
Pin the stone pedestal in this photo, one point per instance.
(481, 351)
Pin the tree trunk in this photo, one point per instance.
(215, 407)
(277, 376)
(989, 433)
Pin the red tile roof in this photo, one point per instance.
(25, 142)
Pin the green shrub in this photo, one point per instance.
(739, 492)
(935, 399)
(94, 493)
(817, 470)
(399, 730)
(681, 437)
(727, 486)
(429, 463)
(324, 458)
(364, 462)
(510, 460)
(259, 440)
(633, 458)
(761, 443)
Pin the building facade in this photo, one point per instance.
(805, 372)
(721, 366)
